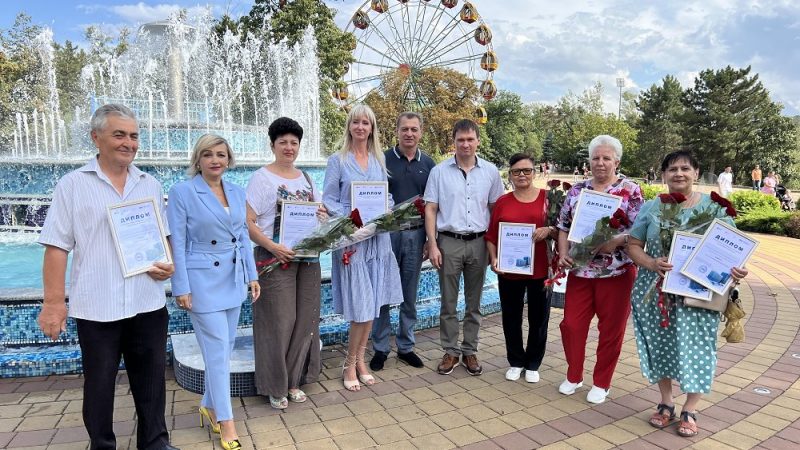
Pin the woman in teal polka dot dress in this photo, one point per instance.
(685, 349)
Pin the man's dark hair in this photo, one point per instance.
(466, 125)
(284, 125)
(517, 157)
(677, 156)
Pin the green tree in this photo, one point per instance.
(660, 126)
(548, 148)
(509, 127)
(449, 96)
(69, 61)
(287, 21)
(730, 120)
(23, 82)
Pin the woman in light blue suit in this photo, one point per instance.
(213, 267)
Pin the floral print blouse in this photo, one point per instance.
(605, 264)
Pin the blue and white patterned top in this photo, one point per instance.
(371, 277)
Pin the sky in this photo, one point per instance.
(548, 48)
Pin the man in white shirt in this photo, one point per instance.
(116, 316)
(459, 196)
(725, 182)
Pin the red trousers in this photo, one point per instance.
(610, 299)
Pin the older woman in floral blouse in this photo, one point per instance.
(603, 287)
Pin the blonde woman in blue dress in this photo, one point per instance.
(371, 277)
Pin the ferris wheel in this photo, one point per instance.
(413, 35)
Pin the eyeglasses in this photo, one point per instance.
(525, 171)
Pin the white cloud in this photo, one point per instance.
(548, 48)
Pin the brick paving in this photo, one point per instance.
(417, 408)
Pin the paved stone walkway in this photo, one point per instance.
(755, 400)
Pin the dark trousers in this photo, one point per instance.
(142, 341)
(512, 304)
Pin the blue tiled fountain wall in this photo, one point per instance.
(24, 351)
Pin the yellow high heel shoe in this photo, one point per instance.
(230, 445)
(207, 415)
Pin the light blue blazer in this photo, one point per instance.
(211, 248)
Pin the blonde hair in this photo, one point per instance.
(374, 139)
(206, 142)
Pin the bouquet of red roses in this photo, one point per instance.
(669, 221)
(403, 216)
(605, 229)
(555, 200)
(328, 236)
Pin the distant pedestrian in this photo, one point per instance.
(769, 183)
(725, 182)
(755, 175)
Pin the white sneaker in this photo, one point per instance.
(597, 395)
(513, 373)
(568, 388)
(532, 376)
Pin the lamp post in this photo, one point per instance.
(620, 85)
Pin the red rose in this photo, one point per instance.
(566, 186)
(614, 223)
(554, 183)
(355, 216)
(731, 211)
(265, 262)
(679, 198)
(620, 214)
(420, 205)
(668, 199)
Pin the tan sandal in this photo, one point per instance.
(686, 428)
(664, 417)
(353, 385)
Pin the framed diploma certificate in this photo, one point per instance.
(371, 198)
(720, 249)
(298, 220)
(515, 248)
(591, 207)
(139, 235)
(683, 244)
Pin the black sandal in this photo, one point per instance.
(663, 419)
(686, 425)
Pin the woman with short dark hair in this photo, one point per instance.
(525, 204)
(685, 349)
(286, 322)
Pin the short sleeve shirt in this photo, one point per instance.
(407, 178)
(77, 221)
(463, 198)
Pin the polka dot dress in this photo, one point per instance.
(686, 350)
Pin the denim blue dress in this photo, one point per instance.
(372, 277)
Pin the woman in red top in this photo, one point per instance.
(525, 204)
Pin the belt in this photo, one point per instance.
(463, 237)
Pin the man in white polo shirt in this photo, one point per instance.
(116, 316)
(459, 196)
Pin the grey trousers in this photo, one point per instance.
(286, 328)
(470, 259)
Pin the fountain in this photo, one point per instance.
(182, 81)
